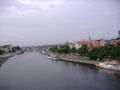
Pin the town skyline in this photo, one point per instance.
(89, 38)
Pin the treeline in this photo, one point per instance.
(110, 51)
(63, 49)
(13, 49)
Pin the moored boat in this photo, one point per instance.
(53, 57)
(43, 53)
(111, 65)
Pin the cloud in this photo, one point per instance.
(29, 2)
(50, 21)
(40, 3)
(22, 7)
(44, 5)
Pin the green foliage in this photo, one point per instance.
(83, 50)
(2, 52)
(16, 48)
(62, 49)
(73, 50)
(66, 49)
(96, 53)
(54, 48)
(108, 51)
(118, 49)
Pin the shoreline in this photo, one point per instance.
(6, 57)
(84, 60)
(74, 59)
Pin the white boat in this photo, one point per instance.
(53, 57)
(113, 65)
(43, 53)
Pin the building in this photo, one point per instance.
(77, 44)
(93, 43)
(118, 37)
(71, 45)
(6, 48)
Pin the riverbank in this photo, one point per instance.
(5, 57)
(107, 64)
(74, 58)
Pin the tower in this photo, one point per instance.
(90, 43)
(118, 37)
(90, 38)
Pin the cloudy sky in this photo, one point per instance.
(39, 22)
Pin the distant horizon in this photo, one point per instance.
(56, 43)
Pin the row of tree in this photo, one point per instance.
(14, 49)
(63, 49)
(111, 51)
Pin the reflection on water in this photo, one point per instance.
(32, 71)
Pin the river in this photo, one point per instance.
(32, 71)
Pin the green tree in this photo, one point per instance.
(54, 48)
(66, 49)
(83, 50)
(17, 48)
(118, 49)
(2, 52)
(73, 50)
(96, 53)
(60, 50)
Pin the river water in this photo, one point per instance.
(32, 71)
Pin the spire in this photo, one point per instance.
(67, 42)
(91, 43)
(90, 38)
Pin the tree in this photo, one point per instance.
(73, 50)
(2, 52)
(63, 49)
(83, 50)
(96, 53)
(60, 50)
(54, 49)
(66, 49)
(16, 48)
(118, 49)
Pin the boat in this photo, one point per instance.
(53, 57)
(111, 65)
(43, 53)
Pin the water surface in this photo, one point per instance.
(32, 71)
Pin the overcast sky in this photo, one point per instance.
(39, 22)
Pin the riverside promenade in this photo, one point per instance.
(74, 58)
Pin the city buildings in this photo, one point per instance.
(6, 48)
(93, 43)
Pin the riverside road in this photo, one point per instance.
(32, 71)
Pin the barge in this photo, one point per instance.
(111, 65)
